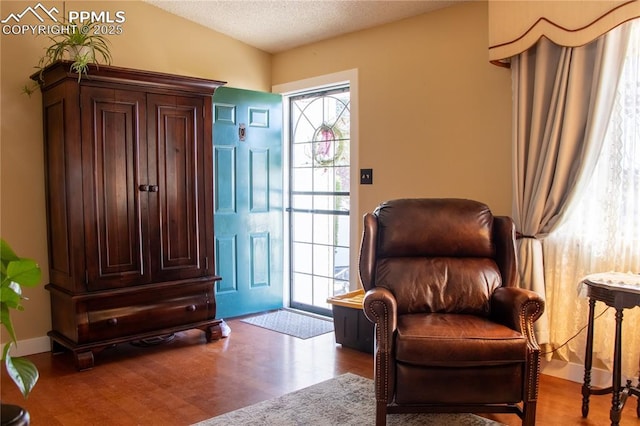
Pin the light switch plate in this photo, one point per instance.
(366, 176)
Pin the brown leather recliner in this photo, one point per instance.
(454, 332)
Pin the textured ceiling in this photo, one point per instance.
(275, 26)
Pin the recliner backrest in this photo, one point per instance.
(437, 255)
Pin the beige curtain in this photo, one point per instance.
(602, 233)
(562, 102)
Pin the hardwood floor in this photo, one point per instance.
(187, 380)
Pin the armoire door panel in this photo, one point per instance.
(63, 153)
(117, 217)
(59, 220)
(176, 135)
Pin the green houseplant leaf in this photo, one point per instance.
(16, 272)
(10, 299)
(24, 272)
(23, 372)
(6, 253)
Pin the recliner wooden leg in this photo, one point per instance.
(529, 414)
(381, 413)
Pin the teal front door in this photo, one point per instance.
(247, 135)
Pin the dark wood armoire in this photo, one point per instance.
(129, 187)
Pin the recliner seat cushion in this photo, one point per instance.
(452, 340)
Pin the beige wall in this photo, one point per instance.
(152, 40)
(435, 115)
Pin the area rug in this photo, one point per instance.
(345, 400)
(292, 323)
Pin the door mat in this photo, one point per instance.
(292, 323)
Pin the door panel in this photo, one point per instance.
(116, 217)
(248, 201)
(175, 137)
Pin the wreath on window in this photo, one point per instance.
(328, 145)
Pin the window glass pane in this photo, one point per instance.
(342, 203)
(322, 289)
(342, 178)
(322, 229)
(322, 202)
(302, 179)
(341, 287)
(301, 224)
(302, 255)
(323, 179)
(341, 263)
(342, 154)
(302, 288)
(323, 260)
(301, 155)
(342, 233)
(302, 202)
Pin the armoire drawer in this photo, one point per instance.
(139, 312)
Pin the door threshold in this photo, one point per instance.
(307, 313)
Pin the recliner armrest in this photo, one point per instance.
(380, 308)
(518, 309)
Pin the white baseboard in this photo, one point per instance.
(575, 372)
(31, 346)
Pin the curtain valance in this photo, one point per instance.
(515, 26)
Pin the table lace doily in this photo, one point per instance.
(616, 280)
